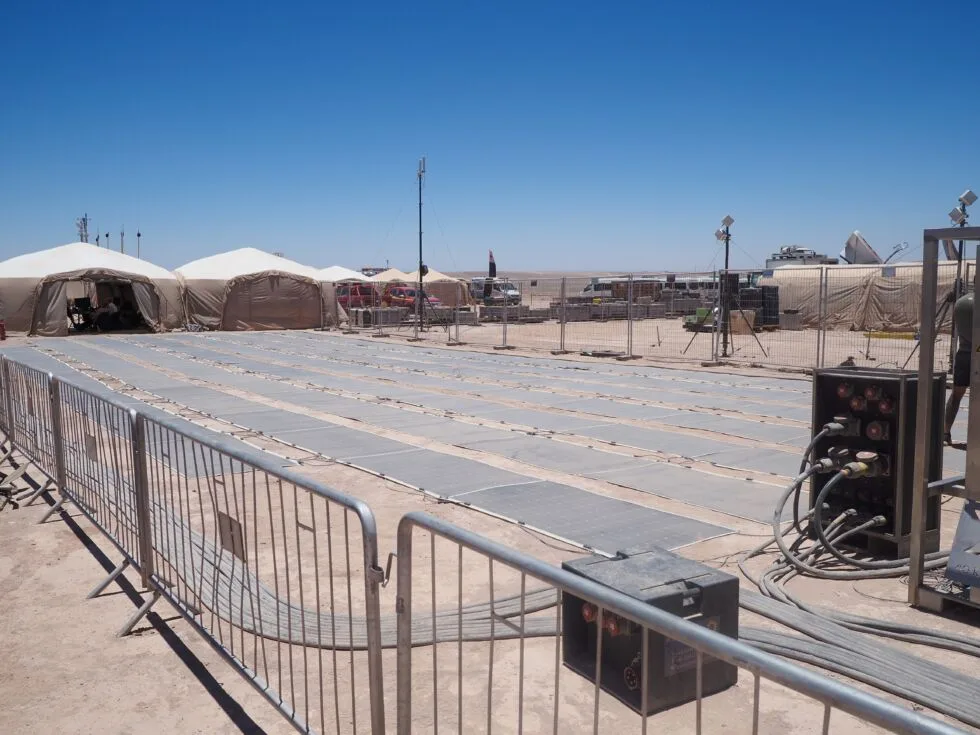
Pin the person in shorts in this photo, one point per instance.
(963, 320)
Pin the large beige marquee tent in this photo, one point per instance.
(35, 288)
(248, 289)
(860, 297)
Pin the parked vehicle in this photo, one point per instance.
(501, 291)
(357, 295)
(405, 296)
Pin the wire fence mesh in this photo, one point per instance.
(794, 317)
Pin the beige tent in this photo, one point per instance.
(450, 291)
(250, 289)
(35, 288)
(861, 297)
(392, 275)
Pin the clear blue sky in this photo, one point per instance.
(563, 135)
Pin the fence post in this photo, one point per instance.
(503, 345)
(629, 316)
(824, 291)
(561, 309)
(716, 316)
(8, 397)
(459, 302)
(58, 434)
(403, 609)
(373, 577)
(141, 489)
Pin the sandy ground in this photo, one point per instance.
(63, 669)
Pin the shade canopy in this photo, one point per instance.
(34, 288)
(248, 289)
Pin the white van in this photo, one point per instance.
(598, 290)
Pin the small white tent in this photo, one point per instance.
(339, 274)
(249, 289)
(34, 288)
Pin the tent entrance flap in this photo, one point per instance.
(137, 306)
(272, 301)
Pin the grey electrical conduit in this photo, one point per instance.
(951, 641)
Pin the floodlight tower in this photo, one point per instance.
(959, 217)
(418, 294)
(724, 234)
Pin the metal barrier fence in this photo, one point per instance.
(278, 572)
(280, 575)
(794, 317)
(453, 685)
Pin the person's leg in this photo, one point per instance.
(952, 406)
(961, 381)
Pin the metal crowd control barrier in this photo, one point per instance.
(278, 572)
(29, 426)
(542, 696)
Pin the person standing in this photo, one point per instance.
(963, 320)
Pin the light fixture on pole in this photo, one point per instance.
(724, 234)
(419, 309)
(138, 236)
(959, 216)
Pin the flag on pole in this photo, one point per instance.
(493, 266)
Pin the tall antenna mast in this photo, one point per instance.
(418, 294)
(122, 239)
(81, 224)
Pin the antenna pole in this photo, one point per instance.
(122, 239)
(418, 294)
(138, 236)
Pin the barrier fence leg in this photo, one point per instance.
(100, 587)
(28, 497)
(139, 615)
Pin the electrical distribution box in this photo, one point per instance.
(881, 404)
(664, 580)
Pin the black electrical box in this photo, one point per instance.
(664, 580)
(881, 404)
